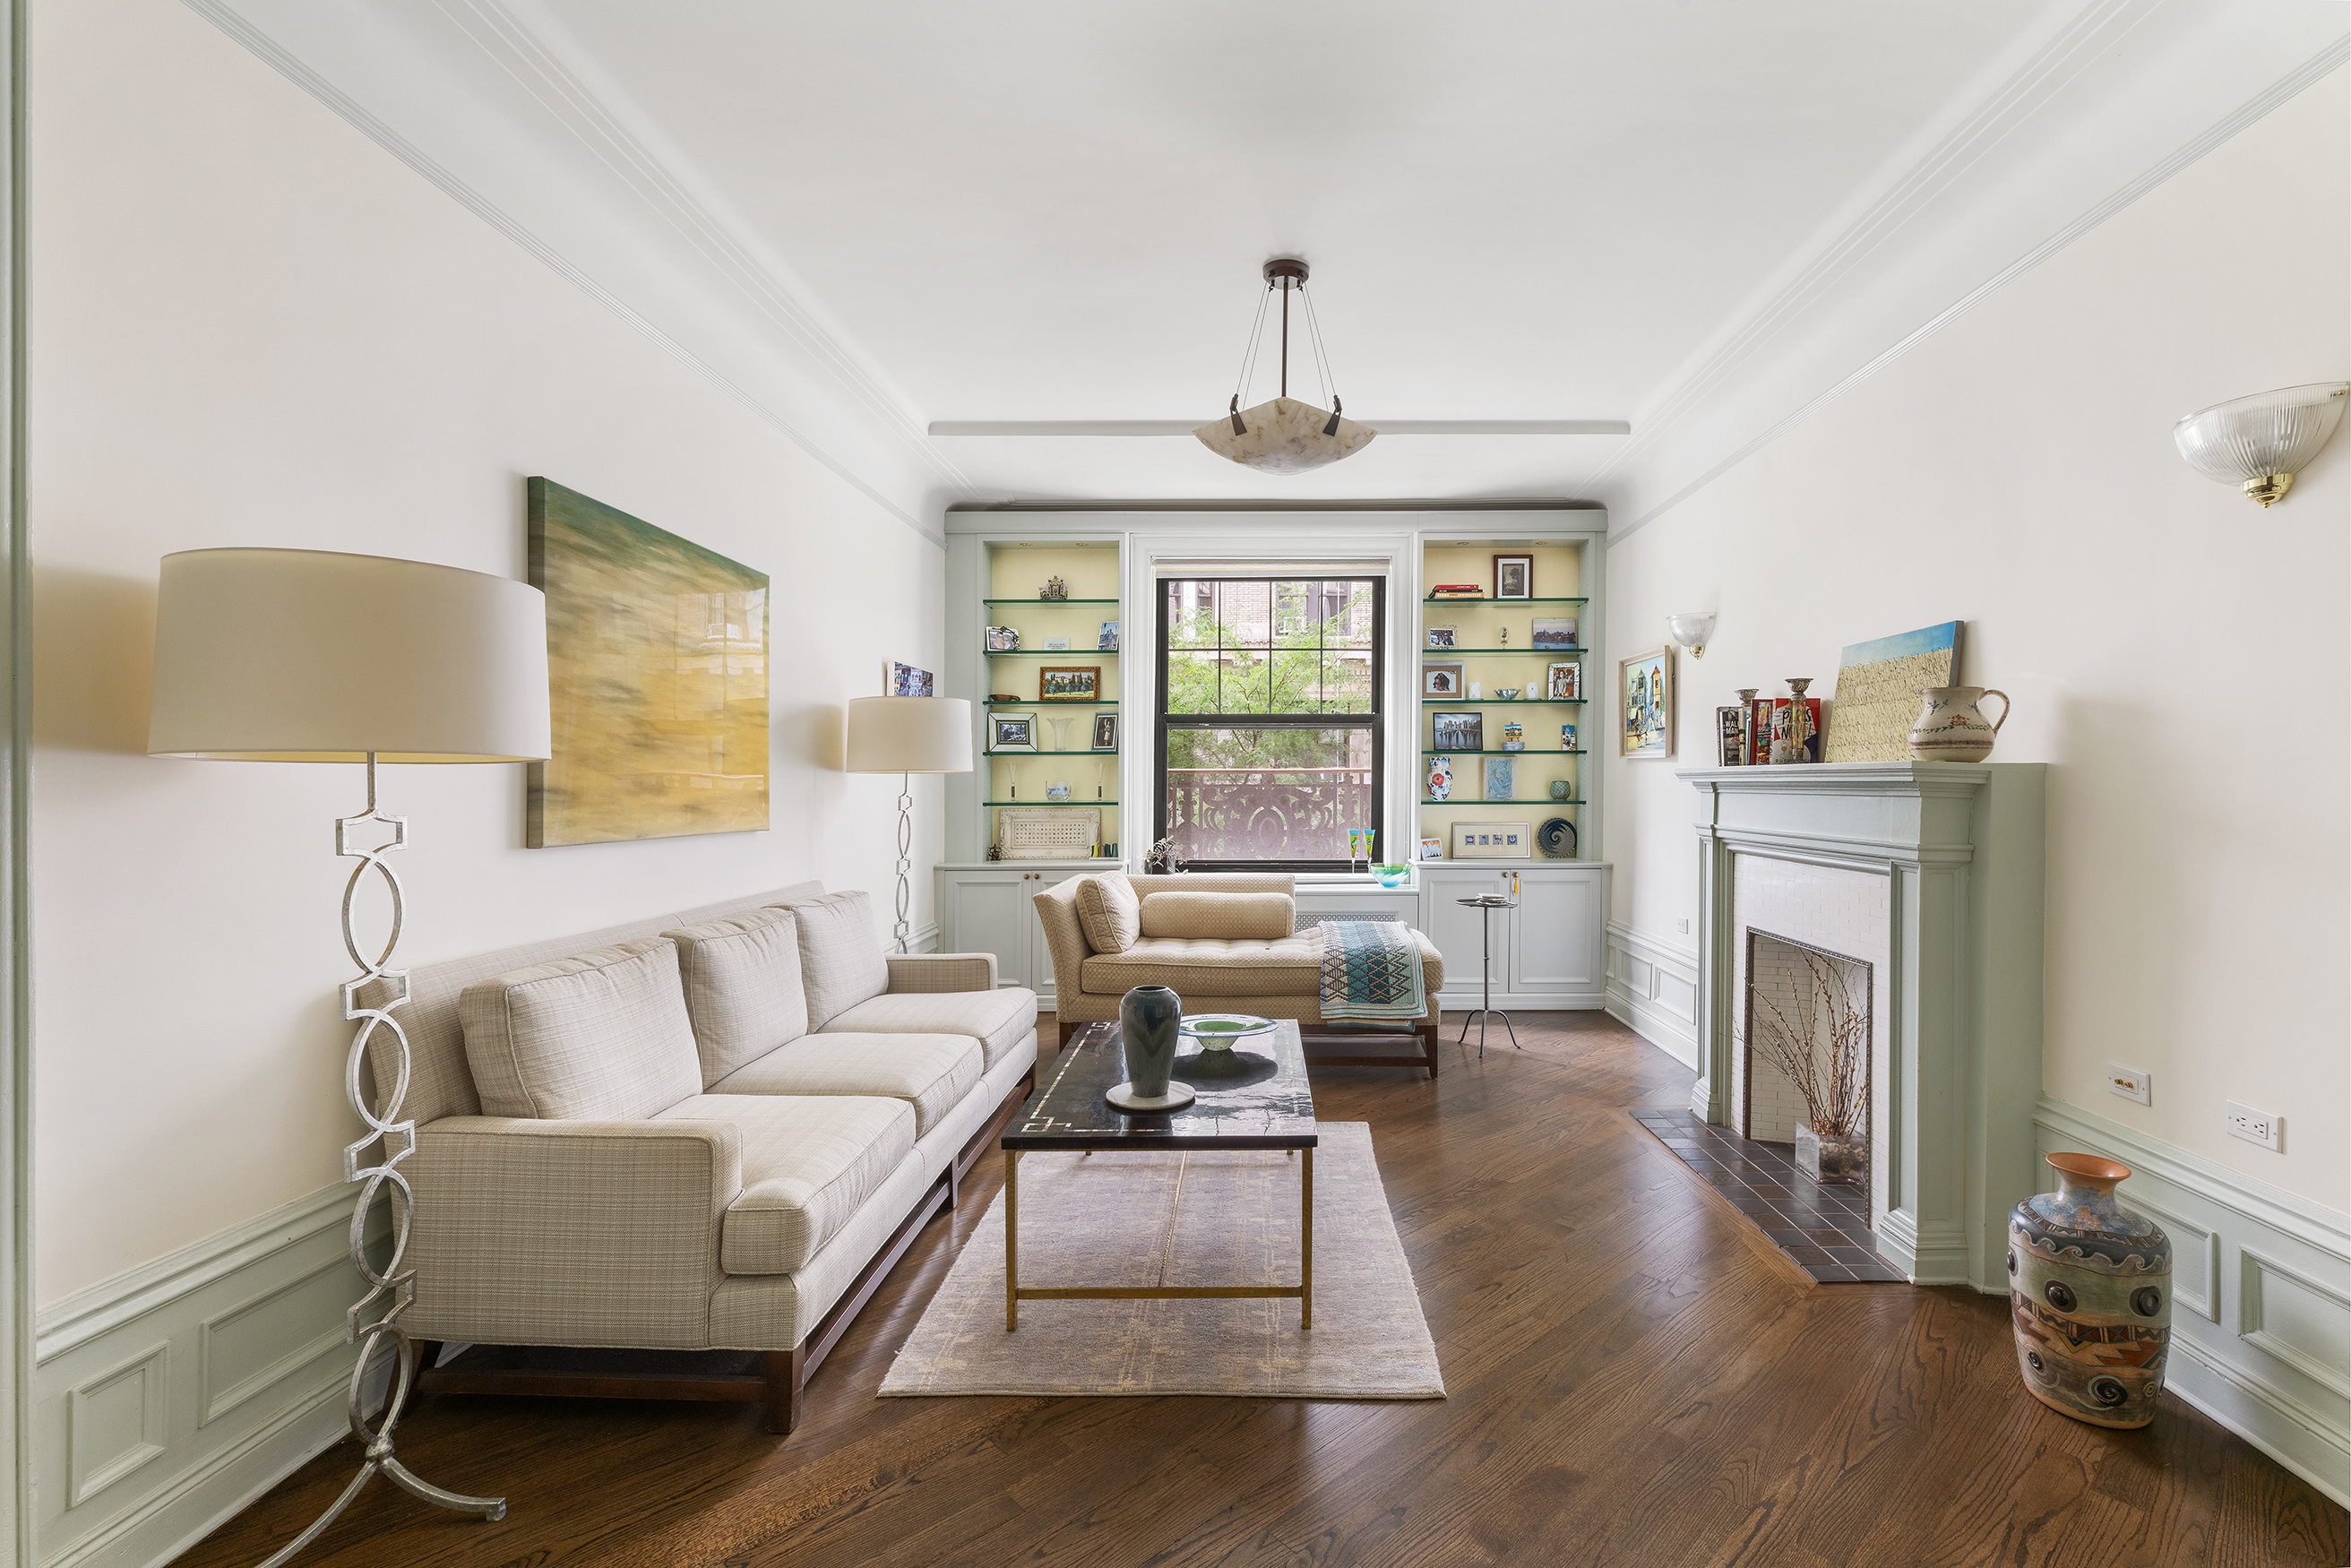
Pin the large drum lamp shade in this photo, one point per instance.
(298, 656)
(909, 735)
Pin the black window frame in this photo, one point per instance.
(1375, 721)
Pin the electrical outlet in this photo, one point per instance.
(2130, 1083)
(1681, 924)
(2257, 1127)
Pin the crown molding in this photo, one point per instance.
(2103, 103)
(489, 101)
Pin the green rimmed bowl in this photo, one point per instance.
(1220, 1032)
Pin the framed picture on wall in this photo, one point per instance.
(1645, 725)
(907, 681)
(1514, 577)
(1458, 731)
(1492, 841)
(1068, 684)
(1012, 732)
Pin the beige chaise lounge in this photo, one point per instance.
(1274, 976)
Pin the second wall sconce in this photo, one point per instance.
(1692, 629)
(2260, 443)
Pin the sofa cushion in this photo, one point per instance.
(999, 1019)
(1108, 911)
(809, 1162)
(840, 955)
(932, 1072)
(603, 1035)
(1267, 916)
(742, 991)
(1206, 967)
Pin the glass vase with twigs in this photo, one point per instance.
(1820, 1040)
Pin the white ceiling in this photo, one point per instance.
(1700, 217)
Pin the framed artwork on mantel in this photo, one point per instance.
(1645, 693)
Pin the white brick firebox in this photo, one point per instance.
(1930, 872)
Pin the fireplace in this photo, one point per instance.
(1923, 881)
(1796, 998)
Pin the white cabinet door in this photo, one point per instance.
(1459, 933)
(989, 911)
(1555, 946)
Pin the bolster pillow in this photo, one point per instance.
(1226, 915)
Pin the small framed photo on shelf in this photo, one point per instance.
(1501, 778)
(1106, 732)
(1012, 732)
(1554, 632)
(1106, 641)
(1514, 577)
(1003, 640)
(1563, 680)
(1492, 841)
(1645, 699)
(1567, 738)
(1068, 684)
(1440, 637)
(905, 681)
(1432, 849)
(1458, 731)
(1440, 680)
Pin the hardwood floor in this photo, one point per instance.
(1635, 1375)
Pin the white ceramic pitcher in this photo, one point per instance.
(1949, 727)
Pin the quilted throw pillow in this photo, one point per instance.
(1109, 912)
(743, 990)
(603, 1036)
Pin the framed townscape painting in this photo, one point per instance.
(1069, 683)
(907, 681)
(657, 680)
(1646, 704)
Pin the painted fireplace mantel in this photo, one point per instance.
(1961, 845)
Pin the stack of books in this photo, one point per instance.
(1459, 590)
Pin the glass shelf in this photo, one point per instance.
(1048, 802)
(1502, 602)
(1113, 752)
(1547, 652)
(1487, 751)
(1541, 800)
(1016, 653)
(1054, 702)
(1507, 702)
(1048, 601)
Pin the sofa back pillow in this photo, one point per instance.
(841, 963)
(1227, 916)
(1108, 911)
(743, 990)
(603, 1036)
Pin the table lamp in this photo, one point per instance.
(298, 656)
(906, 736)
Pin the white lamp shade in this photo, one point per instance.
(298, 655)
(1692, 628)
(909, 735)
(1284, 436)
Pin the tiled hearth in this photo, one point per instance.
(1825, 1229)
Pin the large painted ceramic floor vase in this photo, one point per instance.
(2090, 1296)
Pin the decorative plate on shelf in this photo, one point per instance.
(1556, 839)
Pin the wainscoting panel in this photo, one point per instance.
(1653, 991)
(169, 1397)
(2261, 1294)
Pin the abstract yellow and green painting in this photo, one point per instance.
(657, 678)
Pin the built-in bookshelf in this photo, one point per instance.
(1051, 733)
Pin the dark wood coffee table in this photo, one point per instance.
(1261, 1101)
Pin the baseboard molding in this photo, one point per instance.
(169, 1397)
(2261, 1298)
(1653, 991)
(1523, 1001)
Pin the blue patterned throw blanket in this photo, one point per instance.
(1371, 973)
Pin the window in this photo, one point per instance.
(1269, 735)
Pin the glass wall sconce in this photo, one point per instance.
(2260, 443)
(1691, 631)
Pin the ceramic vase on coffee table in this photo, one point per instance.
(2089, 1296)
(1149, 1021)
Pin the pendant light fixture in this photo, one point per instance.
(1284, 435)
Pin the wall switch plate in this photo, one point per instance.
(2257, 1127)
(2130, 1083)
(1681, 924)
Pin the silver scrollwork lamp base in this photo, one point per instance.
(392, 1284)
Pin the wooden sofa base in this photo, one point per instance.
(774, 1377)
(1312, 1032)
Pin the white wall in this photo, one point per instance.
(2177, 654)
(252, 327)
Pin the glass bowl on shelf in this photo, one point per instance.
(1393, 875)
(1507, 694)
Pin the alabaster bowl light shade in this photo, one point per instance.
(909, 735)
(298, 656)
(1284, 436)
(2260, 443)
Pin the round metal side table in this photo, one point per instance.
(1486, 904)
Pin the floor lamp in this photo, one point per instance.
(296, 655)
(906, 736)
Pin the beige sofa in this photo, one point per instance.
(1274, 976)
(712, 1131)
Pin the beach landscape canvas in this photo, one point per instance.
(1877, 687)
(657, 680)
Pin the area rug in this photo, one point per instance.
(1198, 1218)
